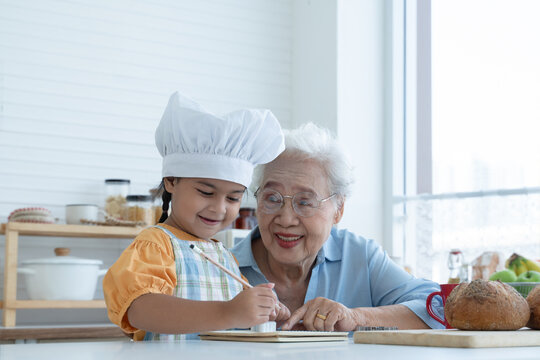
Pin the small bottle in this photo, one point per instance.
(246, 219)
(455, 262)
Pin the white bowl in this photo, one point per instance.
(77, 212)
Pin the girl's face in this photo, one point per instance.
(203, 207)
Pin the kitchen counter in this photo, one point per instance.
(223, 350)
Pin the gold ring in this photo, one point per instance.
(320, 316)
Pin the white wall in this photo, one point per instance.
(361, 110)
(314, 65)
(338, 82)
(83, 85)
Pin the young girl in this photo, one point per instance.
(160, 288)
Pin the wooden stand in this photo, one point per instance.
(12, 230)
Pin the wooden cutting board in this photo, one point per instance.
(450, 338)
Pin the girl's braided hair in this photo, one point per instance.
(166, 197)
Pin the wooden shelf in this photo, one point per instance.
(13, 230)
(105, 331)
(83, 231)
(59, 304)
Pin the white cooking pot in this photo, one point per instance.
(62, 277)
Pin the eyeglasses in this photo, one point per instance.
(304, 204)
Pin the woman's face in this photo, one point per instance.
(203, 207)
(289, 238)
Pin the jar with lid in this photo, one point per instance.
(246, 216)
(116, 191)
(246, 219)
(157, 206)
(139, 209)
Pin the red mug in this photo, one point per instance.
(446, 289)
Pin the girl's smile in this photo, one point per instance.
(203, 207)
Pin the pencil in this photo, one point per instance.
(223, 268)
(234, 276)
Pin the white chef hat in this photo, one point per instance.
(196, 143)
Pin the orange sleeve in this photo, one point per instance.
(146, 266)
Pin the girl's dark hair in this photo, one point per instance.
(166, 197)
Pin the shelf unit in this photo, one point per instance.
(12, 230)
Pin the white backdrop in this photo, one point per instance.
(83, 85)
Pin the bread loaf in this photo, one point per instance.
(486, 305)
(534, 304)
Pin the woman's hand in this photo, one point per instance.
(252, 306)
(333, 317)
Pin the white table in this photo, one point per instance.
(223, 350)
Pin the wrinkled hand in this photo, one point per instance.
(338, 317)
(253, 306)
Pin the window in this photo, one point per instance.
(471, 157)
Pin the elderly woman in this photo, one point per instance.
(330, 279)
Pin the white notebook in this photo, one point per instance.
(274, 336)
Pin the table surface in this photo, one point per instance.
(228, 350)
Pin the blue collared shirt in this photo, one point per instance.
(354, 272)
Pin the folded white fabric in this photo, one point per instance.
(197, 143)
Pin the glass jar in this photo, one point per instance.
(116, 191)
(139, 209)
(246, 219)
(158, 210)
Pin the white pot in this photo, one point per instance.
(61, 277)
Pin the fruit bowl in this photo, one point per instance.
(523, 287)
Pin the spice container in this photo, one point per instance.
(158, 211)
(116, 191)
(157, 204)
(246, 219)
(246, 216)
(139, 208)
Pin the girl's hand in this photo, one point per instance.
(252, 306)
(333, 316)
(283, 313)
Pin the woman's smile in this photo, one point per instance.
(287, 240)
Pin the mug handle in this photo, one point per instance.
(430, 311)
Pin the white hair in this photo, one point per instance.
(314, 143)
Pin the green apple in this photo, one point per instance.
(529, 276)
(505, 275)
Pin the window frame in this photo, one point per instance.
(410, 169)
(409, 165)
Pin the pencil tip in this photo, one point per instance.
(192, 246)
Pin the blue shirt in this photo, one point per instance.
(356, 273)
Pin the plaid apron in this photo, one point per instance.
(199, 279)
